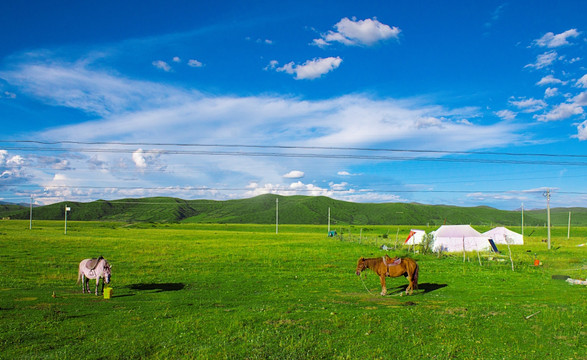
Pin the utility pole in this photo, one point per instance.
(569, 227)
(67, 209)
(522, 219)
(547, 194)
(31, 216)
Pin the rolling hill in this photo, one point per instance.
(292, 210)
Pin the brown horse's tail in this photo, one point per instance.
(415, 276)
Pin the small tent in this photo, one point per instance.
(415, 237)
(453, 238)
(501, 235)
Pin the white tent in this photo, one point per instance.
(452, 238)
(415, 237)
(500, 234)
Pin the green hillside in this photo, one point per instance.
(292, 210)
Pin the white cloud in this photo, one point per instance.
(9, 95)
(74, 86)
(506, 114)
(529, 105)
(551, 40)
(561, 112)
(294, 174)
(195, 63)
(343, 173)
(582, 131)
(160, 64)
(139, 159)
(549, 79)
(581, 99)
(176, 59)
(143, 159)
(550, 92)
(544, 60)
(358, 32)
(311, 69)
(582, 82)
(15, 160)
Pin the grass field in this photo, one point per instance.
(245, 292)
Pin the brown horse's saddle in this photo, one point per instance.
(91, 265)
(396, 261)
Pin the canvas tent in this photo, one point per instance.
(415, 237)
(452, 238)
(500, 234)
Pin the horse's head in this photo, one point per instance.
(361, 265)
(107, 272)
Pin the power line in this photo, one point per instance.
(424, 151)
(317, 155)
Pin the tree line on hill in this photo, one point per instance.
(292, 210)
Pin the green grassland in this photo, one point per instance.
(239, 291)
(292, 210)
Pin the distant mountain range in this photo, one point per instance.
(292, 210)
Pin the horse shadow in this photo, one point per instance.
(158, 287)
(426, 287)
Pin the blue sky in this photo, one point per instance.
(457, 102)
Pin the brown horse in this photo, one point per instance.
(392, 267)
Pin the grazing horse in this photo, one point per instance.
(94, 269)
(392, 267)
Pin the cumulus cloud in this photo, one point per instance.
(561, 112)
(582, 131)
(311, 69)
(144, 159)
(550, 92)
(582, 82)
(195, 63)
(506, 114)
(529, 105)
(294, 174)
(358, 32)
(551, 40)
(549, 79)
(581, 99)
(162, 65)
(544, 60)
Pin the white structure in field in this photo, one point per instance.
(501, 235)
(415, 237)
(455, 238)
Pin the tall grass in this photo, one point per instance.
(243, 291)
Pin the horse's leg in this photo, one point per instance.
(383, 287)
(97, 282)
(86, 281)
(83, 284)
(411, 280)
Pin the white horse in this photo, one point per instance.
(93, 269)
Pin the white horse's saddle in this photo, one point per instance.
(91, 265)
